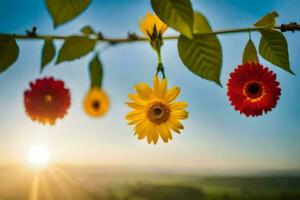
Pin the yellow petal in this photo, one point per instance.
(178, 106)
(150, 132)
(147, 25)
(144, 91)
(136, 99)
(163, 28)
(173, 126)
(135, 121)
(135, 106)
(160, 88)
(172, 94)
(143, 27)
(165, 133)
(156, 86)
(175, 123)
(156, 134)
(135, 114)
(163, 88)
(179, 114)
(141, 129)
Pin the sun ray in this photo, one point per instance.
(59, 183)
(34, 191)
(45, 186)
(72, 181)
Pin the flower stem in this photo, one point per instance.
(160, 67)
(158, 52)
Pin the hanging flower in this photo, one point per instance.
(96, 102)
(155, 114)
(152, 26)
(253, 89)
(47, 100)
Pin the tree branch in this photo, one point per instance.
(283, 28)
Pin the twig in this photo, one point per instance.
(283, 28)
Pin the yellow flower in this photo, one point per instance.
(155, 114)
(151, 21)
(96, 102)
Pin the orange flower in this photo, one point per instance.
(47, 100)
(96, 102)
(253, 89)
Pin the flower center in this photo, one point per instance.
(48, 98)
(158, 112)
(96, 104)
(254, 90)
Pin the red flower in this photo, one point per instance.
(253, 89)
(47, 100)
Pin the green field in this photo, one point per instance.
(103, 183)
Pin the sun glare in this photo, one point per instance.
(38, 156)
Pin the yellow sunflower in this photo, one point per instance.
(155, 114)
(96, 102)
(147, 25)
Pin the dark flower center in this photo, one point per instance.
(96, 104)
(48, 98)
(254, 90)
(158, 113)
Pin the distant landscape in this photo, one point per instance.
(102, 183)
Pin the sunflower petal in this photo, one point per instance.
(165, 133)
(135, 114)
(172, 94)
(135, 98)
(135, 106)
(135, 121)
(144, 91)
(172, 125)
(178, 106)
(179, 114)
(163, 88)
(156, 134)
(141, 129)
(150, 132)
(156, 86)
(176, 123)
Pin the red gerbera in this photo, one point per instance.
(47, 100)
(253, 89)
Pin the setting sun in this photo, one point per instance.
(38, 156)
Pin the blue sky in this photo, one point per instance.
(215, 137)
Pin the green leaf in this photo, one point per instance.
(48, 52)
(9, 52)
(202, 55)
(268, 20)
(177, 14)
(87, 30)
(75, 47)
(274, 48)
(250, 53)
(63, 11)
(96, 72)
(201, 24)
